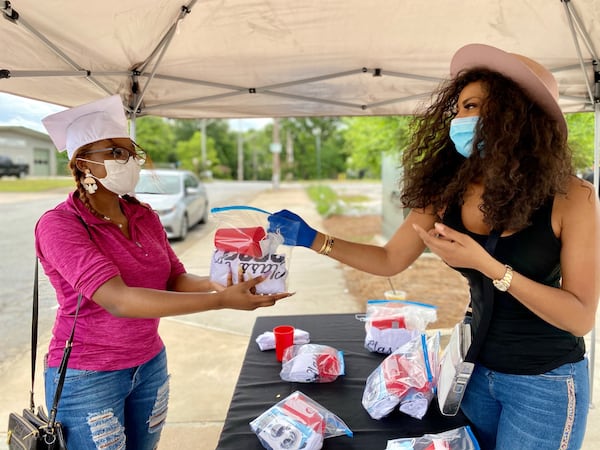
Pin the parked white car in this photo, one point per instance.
(178, 196)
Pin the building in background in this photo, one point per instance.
(26, 146)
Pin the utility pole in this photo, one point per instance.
(240, 155)
(317, 133)
(289, 148)
(203, 166)
(276, 151)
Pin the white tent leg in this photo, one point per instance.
(592, 351)
(573, 19)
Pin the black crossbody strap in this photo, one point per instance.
(488, 304)
(34, 334)
(62, 370)
(65, 359)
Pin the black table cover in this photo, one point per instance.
(259, 387)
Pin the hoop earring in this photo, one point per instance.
(89, 183)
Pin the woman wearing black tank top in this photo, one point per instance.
(491, 153)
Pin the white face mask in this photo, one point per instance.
(120, 178)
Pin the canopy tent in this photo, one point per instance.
(275, 58)
(283, 58)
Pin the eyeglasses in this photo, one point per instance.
(122, 155)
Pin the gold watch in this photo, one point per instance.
(503, 283)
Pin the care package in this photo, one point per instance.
(312, 363)
(297, 423)
(389, 324)
(407, 378)
(457, 439)
(245, 250)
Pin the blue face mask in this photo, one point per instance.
(462, 131)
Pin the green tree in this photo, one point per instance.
(184, 129)
(225, 142)
(155, 135)
(178, 142)
(581, 139)
(366, 138)
(258, 159)
(318, 147)
(189, 153)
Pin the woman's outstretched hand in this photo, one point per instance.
(294, 230)
(243, 296)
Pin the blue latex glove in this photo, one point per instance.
(293, 228)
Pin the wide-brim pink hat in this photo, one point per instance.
(537, 81)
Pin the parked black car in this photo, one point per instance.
(9, 168)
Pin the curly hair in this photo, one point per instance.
(524, 161)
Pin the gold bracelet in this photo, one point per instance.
(329, 246)
(503, 284)
(324, 246)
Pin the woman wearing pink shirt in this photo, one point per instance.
(104, 244)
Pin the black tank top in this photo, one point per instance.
(518, 341)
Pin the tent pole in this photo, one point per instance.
(132, 127)
(132, 119)
(572, 16)
(596, 184)
(161, 48)
(17, 19)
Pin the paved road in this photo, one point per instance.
(19, 213)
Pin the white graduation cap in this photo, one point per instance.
(84, 124)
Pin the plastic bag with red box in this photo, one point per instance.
(297, 423)
(311, 363)
(457, 439)
(244, 249)
(406, 378)
(389, 324)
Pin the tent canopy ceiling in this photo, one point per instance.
(280, 58)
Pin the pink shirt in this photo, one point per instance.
(78, 258)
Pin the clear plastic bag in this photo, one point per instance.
(312, 363)
(389, 324)
(297, 422)
(457, 439)
(406, 378)
(244, 250)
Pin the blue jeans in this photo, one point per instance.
(112, 409)
(529, 412)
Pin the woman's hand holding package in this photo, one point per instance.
(242, 296)
(293, 228)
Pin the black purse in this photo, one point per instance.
(34, 429)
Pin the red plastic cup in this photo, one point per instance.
(284, 338)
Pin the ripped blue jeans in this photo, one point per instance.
(114, 409)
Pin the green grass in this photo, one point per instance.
(328, 202)
(34, 184)
(326, 199)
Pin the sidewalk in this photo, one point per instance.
(206, 350)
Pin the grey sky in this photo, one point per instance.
(20, 111)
